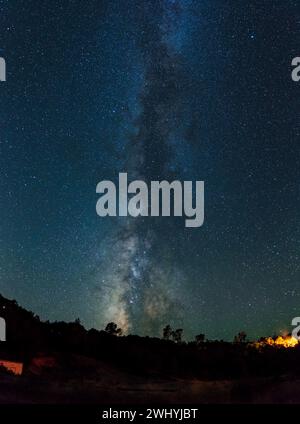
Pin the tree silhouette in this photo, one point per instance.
(199, 339)
(113, 329)
(240, 337)
(177, 335)
(167, 332)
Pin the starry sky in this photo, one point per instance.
(160, 89)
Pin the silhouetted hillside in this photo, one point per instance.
(28, 337)
(64, 362)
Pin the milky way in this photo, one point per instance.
(141, 293)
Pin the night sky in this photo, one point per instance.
(162, 89)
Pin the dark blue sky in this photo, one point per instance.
(164, 89)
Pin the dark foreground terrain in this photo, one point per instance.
(65, 363)
(101, 383)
